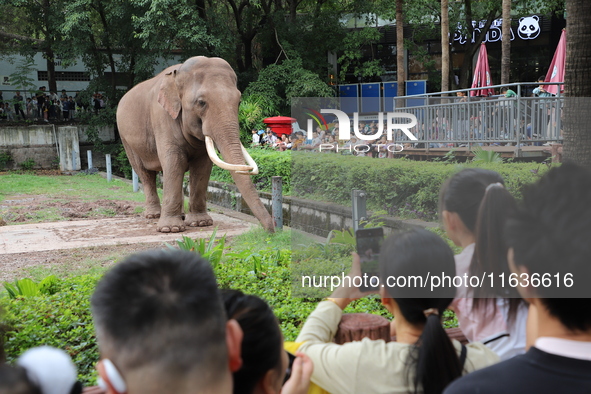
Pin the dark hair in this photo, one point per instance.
(479, 197)
(162, 307)
(14, 380)
(551, 233)
(541, 78)
(262, 341)
(504, 89)
(434, 361)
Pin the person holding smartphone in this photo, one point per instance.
(423, 358)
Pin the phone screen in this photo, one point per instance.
(369, 243)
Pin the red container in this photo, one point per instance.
(280, 124)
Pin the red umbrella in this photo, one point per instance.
(556, 70)
(482, 75)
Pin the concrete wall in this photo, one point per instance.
(49, 145)
(313, 217)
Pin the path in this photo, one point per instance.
(82, 233)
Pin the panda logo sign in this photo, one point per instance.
(529, 27)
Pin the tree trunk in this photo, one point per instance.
(506, 43)
(445, 46)
(470, 48)
(400, 71)
(50, 58)
(577, 108)
(101, 11)
(49, 55)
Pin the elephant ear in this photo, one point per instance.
(168, 97)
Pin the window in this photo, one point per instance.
(65, 76)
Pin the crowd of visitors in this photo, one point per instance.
(326, 140)
(164, 326)
(48, 106)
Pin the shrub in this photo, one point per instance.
(271, 163)
(28, 164)
(62, 320)
(394, 186)
(5, 158)
(397, 186)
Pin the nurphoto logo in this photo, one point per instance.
(392, 123)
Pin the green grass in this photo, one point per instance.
(88, 266)
(258, 239)
(85, 187)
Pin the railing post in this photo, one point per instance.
(109, 170)
(277, 201)
(136, 186)
(518, 133)
(358, 198)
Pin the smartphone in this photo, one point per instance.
(369, 244)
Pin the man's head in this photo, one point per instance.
(160, 322)
(551, 235)
(541, 78)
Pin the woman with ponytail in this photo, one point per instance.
(423, 359)
(474, 207)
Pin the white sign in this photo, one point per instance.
(528, 29)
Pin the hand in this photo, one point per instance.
(347, 292)
(301, 371)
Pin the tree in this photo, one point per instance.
(41, 19)
(577, 136)
(445, 60)
(506, 43)
(400, 71)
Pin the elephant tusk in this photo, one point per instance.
(250, 161)
(220, 163)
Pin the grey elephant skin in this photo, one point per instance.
(170, 123)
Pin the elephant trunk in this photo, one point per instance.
(234, 156)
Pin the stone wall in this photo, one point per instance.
(50, 146)
(313, 217)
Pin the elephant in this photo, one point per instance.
(173, 123)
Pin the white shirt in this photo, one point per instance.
(565, 347)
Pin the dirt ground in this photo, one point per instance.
(80, 236)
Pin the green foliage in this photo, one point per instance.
(62, 320)
(122, 162)
(398, 186)
(208, 249)
(28, 164)
(28, 288)
(279, 83)
(351, 58)
(485, 156)
(344, 237)
(271, 163)
(253, 109)
(20, 79)
(5, 158)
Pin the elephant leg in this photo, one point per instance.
(200, 170)
(172, 206)
(148, 179)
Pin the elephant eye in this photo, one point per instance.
(201, 103)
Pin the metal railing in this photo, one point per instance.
(454, 121)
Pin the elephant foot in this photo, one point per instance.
(170, 225)
(198, 220)
(152, 212)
